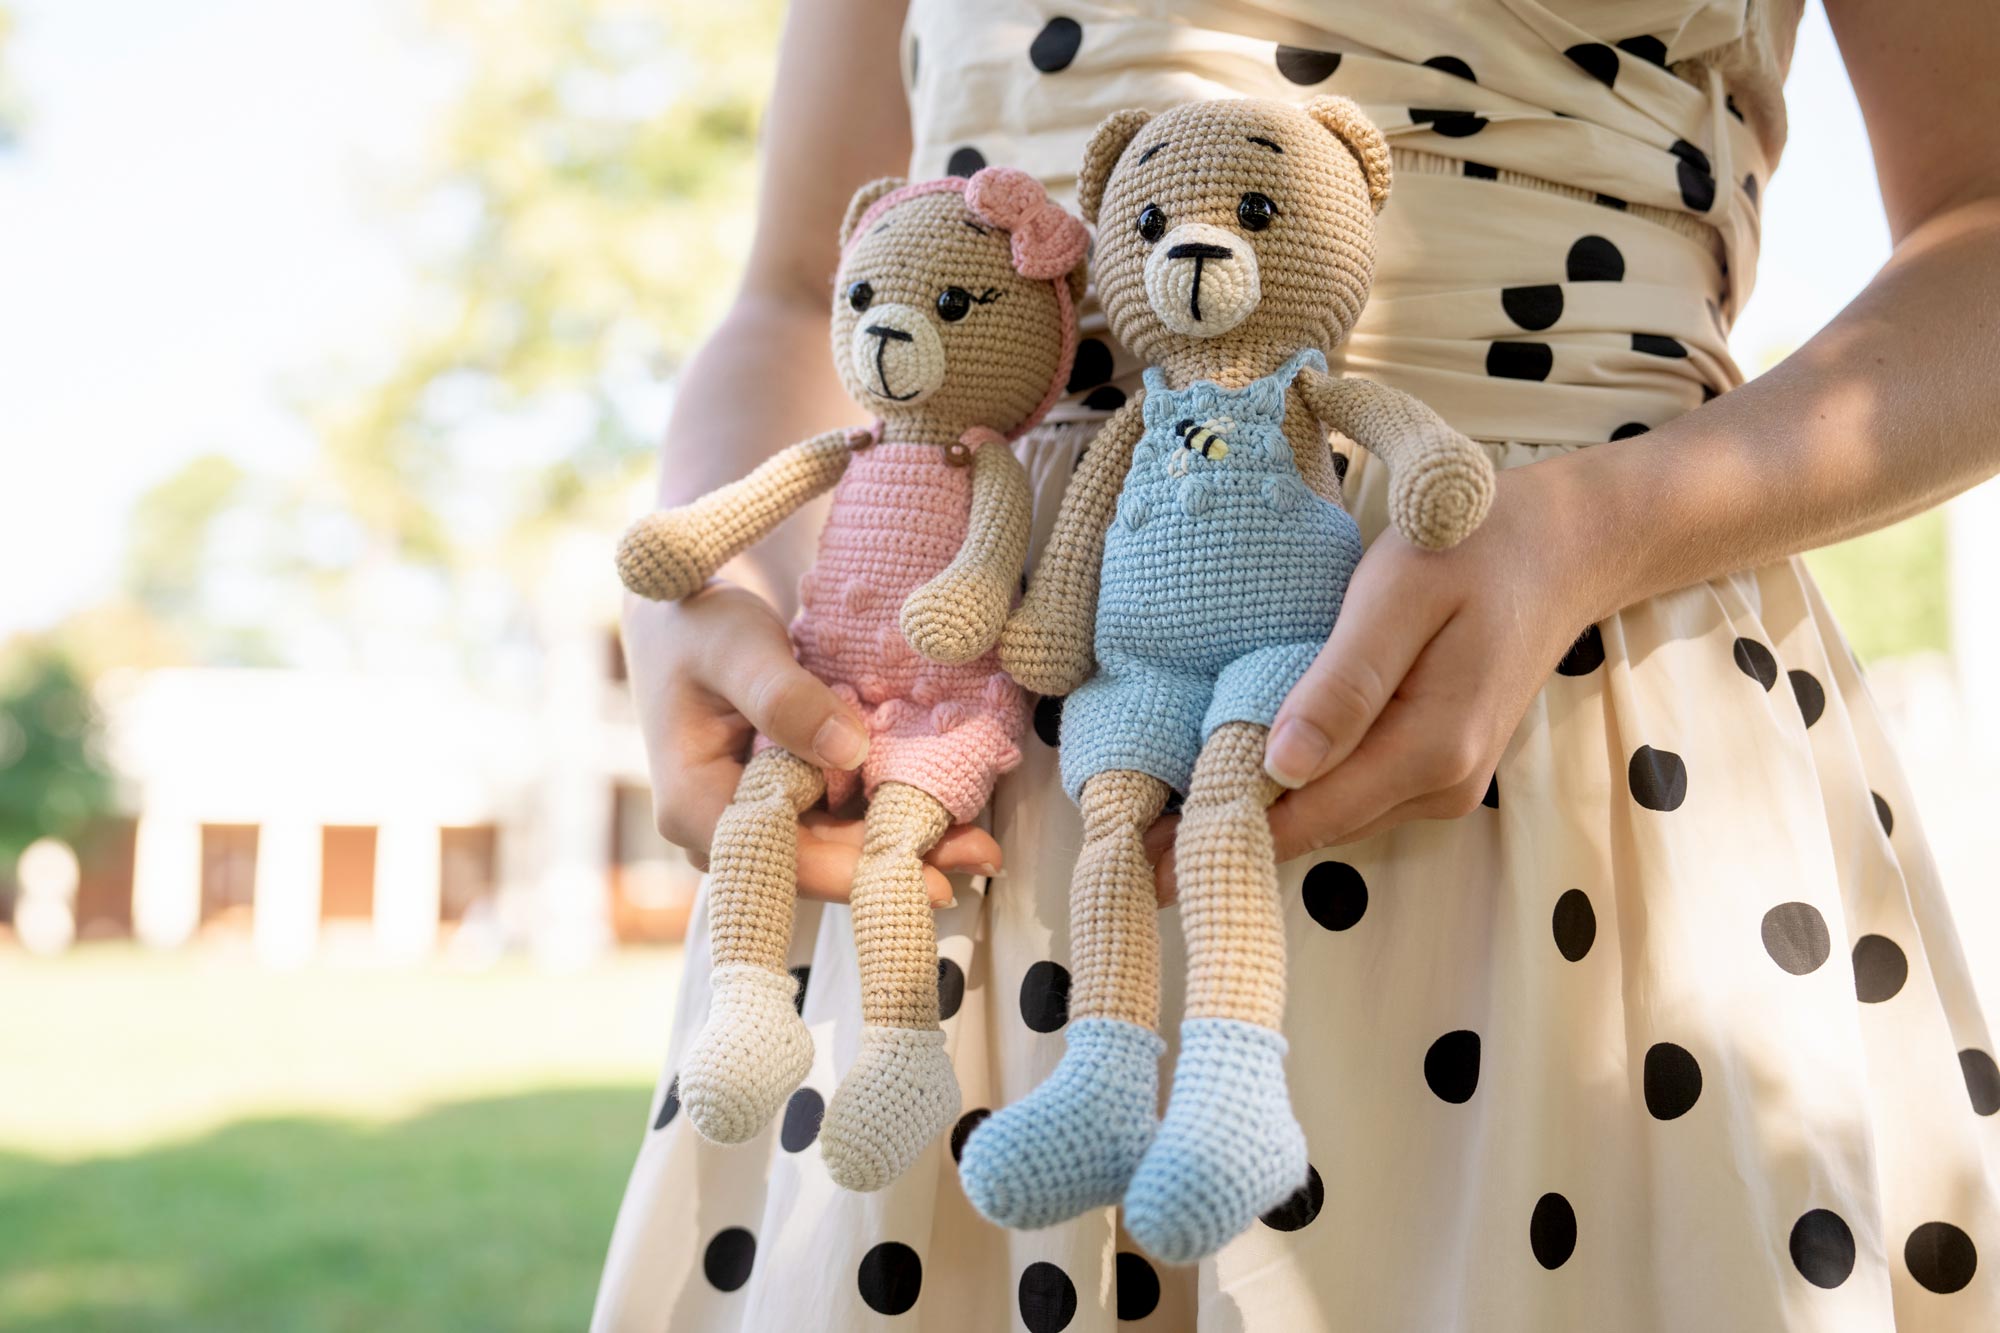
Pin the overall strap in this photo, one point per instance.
(1305, 356)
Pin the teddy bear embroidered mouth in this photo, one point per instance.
(1202, 280)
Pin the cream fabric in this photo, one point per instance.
(1675, 1034)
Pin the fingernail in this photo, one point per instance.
(1296, 750)
(945, 904)
(840, 743)
(986, 868)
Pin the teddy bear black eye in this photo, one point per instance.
(859, 295)
(1152, 223)
(954, 303)
(1255, 211)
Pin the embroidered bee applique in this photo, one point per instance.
(1199, 437)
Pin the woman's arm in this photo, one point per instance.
(707, 672)
(1889, 410)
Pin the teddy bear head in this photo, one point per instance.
(1234, 232)
(954, 311)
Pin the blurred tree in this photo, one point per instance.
(594, 181)
(53, 781)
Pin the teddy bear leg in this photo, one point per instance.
(1229, 1148)
(1072, 1144)
(754, 1048)
(901, 1091)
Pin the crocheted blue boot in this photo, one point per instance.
(1229, 1149)
(1070, 1145)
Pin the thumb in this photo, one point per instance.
(787, 703)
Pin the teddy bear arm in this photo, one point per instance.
(958, 615)
(1046, 645)
(669, 555)
(1440, 482)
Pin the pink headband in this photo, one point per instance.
(1045, 243)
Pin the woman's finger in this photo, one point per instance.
(1380, 632)
(1159, 844)
(749, 662)
(826, 873)
(1410, 753)
(965, 849)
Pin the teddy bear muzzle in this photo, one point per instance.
(1202, 280)
(897, 354)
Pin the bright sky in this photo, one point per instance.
(202, 216)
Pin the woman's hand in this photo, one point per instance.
(1430, 667)
(708, 674)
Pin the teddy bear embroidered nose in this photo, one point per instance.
(897, 354)
(1202, 280)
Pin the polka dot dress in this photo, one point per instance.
(1673, 1033)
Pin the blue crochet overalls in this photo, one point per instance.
(1222, 575)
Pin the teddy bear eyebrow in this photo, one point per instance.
(975, 226)
(1148, 154)
(1258, 138)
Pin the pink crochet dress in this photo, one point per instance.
(899, 516)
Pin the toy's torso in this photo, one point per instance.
(898, 517)
(1219, 547)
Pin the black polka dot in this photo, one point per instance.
(1045, 997)
(1302, 65)
(1646, 48)
(1138, 1287)
(1672, 1079)
(1519, 360)
(1880, 969)
(1729, 100)
(1658, 344)
(1533, 307)
(1612, 201)
(802, 1116)
(1594, 259)
(1750, 187)
(1696, 180)
(1047, 1298)
(1754, 660)
(1451, 1066)
(1452, 65)
(670, 1105)
(1585, 655)
(1810, 694)
(1091, 367)
(803, 976)
(1105, 398)
(1048, 720)
(1340, 465)
(1552, 1231)
(1575, 924)
(962, 1131)
(1056, 45)
(1301, 1207)
(727, 1260)
(951, 988)
(1796, 937)
(1630, 429)
(1175, 800)
(964, 161)
(1451, 124)
(1480, 171)
(1883, 813)
(1597, 60)
(890, 1277)
(1658, 778)
(1709, 393)
(1822, 1248)
(1940, 1257)
(1335, 895)
(1982, 1079)
(1491, 800)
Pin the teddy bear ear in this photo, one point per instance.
(1347, 123)
(1108, 143)
(864, 199)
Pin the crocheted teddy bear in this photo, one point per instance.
(1198, 562)
(954, 321)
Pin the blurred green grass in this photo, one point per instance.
(1890, 590)
(188, 1142)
